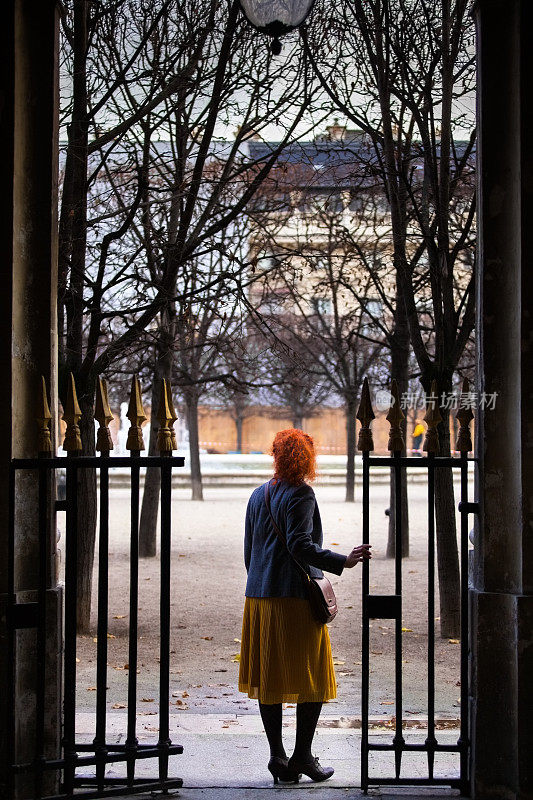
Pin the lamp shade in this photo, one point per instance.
(276, 17)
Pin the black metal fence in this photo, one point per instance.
(77, 756)
(382, 606)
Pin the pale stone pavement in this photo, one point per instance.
(225, 757)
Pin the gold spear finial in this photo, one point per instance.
(395, 417)
(465, 416)
(43, 420)
(103, 414)
(173, 416)
(164, 436)
(365, 415)
(136, 416)
(432, 418)
(72, 416)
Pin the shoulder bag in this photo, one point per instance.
(319, 590)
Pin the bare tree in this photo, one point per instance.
(311, 297)
(138, 73)
(406, 79)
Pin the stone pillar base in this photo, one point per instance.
(502, 695)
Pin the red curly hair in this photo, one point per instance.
(294, 456)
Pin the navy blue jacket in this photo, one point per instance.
(271, 571)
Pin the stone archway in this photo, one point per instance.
(502, 594)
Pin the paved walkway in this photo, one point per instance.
(225, 758)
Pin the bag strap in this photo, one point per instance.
(280, 535)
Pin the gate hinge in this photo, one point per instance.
(23, 615)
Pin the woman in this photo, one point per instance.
(285, 652)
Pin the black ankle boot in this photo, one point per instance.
(312, 769)
(278, 767)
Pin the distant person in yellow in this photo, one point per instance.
(417, 437)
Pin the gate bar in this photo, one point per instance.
(41, 631)
(365, 632)
(99, 742)
(465, 508)
(164, 616)
(431, 741)
(71, 602)
(131, 739)
(398, 740)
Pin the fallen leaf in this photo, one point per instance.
(111, 636)
(77, 661)
(118, 705)
(407, 630)
(146, 728)
(338, 663)
(221, 670)
(147, 699)
(126, 666)
(453, 641)
(185, 694)
(374, 653)
(349, 606)
(117, 666)
(207, 638)
(95, 639)
(237, 640)
(335, 543)
(182, 555)
(387, 703)
(91, 688)
(146, 713)
(120, 616)
(236, 658)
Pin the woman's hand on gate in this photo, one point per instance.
(358, 554)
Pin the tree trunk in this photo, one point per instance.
(152, 480)
(238, 424)
(298, 422)
(86, 517)
(191, 403)
(447, 552)
(350, 451)
(400, 372)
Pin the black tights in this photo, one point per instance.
(307, 715)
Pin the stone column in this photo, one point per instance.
(28, 235)
(501, 599)
(525, 600)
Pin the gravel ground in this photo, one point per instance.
(208, 579)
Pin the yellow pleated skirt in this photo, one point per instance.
(285, 653)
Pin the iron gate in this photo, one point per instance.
(382, 606)
(100, 753)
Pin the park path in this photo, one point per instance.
(208, 579)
